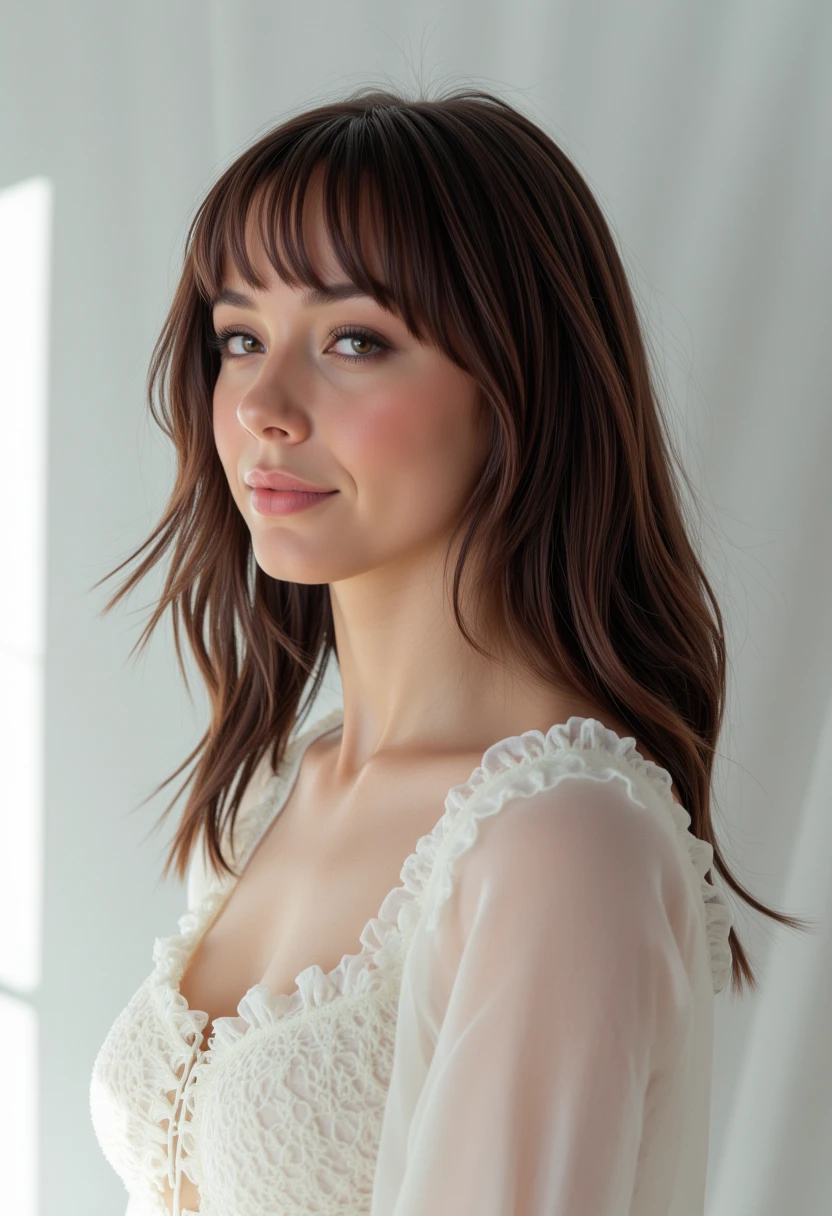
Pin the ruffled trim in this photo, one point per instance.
(574, 743)
(315, 988)
(365, 972)
(171, 954)
(578, 745)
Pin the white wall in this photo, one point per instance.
(704, 129)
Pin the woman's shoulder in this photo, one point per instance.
(580, 798)
(201, 876)
(262, 786)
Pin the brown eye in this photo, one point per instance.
(358, 336)
(220, 341)
(356, 341)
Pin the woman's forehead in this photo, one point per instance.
(317, 244)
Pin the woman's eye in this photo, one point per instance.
(244, 350)
(356, 338)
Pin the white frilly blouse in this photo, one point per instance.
(526, 1029)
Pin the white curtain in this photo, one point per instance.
(705, 129)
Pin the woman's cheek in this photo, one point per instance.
(398, 431)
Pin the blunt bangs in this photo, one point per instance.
(368, 217)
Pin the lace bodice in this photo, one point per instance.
(593, 923)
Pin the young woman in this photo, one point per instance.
(453, 948)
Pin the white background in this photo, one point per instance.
(705, 130)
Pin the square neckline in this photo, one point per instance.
(260, 1004)
(200, 932)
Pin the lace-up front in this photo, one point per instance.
(321, 1101)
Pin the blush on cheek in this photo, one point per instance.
(410, 459)
(405, 429)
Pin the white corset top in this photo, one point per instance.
(341, 1097)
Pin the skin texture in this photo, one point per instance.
(402, 439)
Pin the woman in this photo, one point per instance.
(403, 344)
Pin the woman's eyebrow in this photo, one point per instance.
(311, 297)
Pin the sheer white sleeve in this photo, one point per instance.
(538, 1011)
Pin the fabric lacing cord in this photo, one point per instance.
(188, 1076)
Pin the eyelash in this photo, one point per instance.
(220, 339)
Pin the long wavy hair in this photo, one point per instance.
(494, 249)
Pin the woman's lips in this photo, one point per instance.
(286, 502)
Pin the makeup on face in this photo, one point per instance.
(285, 502)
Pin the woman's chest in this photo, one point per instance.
(299, 903)
(318, 876)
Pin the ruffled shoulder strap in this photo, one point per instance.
(268, 788)
(265, 788)
(530, 762)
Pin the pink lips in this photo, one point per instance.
(286, 502)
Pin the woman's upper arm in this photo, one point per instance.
(565, 946)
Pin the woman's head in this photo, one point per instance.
(517, 380)
(517, 385)
(341, 393)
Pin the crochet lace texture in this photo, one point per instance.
(282, 1110)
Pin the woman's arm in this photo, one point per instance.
(565, 942)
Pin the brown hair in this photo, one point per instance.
(494, 249)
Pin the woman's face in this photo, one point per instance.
(391, 425)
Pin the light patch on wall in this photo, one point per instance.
(25, 257)
(18, 1110)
